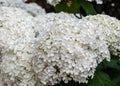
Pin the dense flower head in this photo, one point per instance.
(55, 2)
(97, 1)
(111, 30)
(47, 49)
(68, 49)
(31, 8)
(16, 47)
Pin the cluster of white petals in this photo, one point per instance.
(49, 48)
(16, 47)
(97, 1)
(68, 49)
(55, 2)
(111, 30)
(31, 8)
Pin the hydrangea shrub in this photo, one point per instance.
(42, 49)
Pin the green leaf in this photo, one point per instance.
(101, 79)
(88, 7)
(74, 8)
(117, 80)
(114, 64)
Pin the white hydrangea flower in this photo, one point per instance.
(111, 30)
(53, 2)
(31, 8)
(43, 50)
(17, 47)
(67, 49)
(97, 1)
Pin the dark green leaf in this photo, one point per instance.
(101, 79)
(74, 8)
(88, 7)
(117, 80)
(114, 64)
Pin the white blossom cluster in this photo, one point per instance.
(97, 1)
(49, 48)
(55, 2)
(111, 30)
(16, 47)
(31, 8)
(68, 49)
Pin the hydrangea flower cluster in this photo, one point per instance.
(31, 8)
(55, 2)
(47, 49)
(17, 47)
(63, 52)
(97, 1)
(111, 30)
